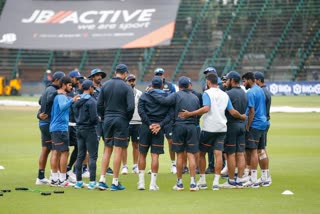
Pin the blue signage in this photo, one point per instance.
(294, 88)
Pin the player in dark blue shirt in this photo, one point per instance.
(116, 106)
(185, 133)
(86, 116)
(44, 116)
(234, 145)
(169, 88)
(154, 117)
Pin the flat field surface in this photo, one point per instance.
(293, 146)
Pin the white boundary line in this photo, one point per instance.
(273, 108)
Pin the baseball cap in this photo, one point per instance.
(157, 81)
(184, 82)
(209, 70)
(224, 78)
(75, 74)
(82, 80)
(131, 77)
(97, 71)
(259, 75)
(87, 84)
(158, 71)
(233, 75)
(121, 68)
(58, 75)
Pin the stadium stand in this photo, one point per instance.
(280, 38)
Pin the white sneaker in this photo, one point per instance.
(124, 170)
(245, 179)
(43, 181)
(65, 183)
(86, 174)
(71, 177)
(173, 169)
(178, 187)
(248, 184)
(141, 186)
(70, 172)
(202, 185)
(194, 187)
(215, 187)
(154, 188)
(265, 182)
(224, 171)
(229, 185)
(135, 169)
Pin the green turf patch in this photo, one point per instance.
(293, 148)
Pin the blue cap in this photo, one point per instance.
(121, 68)
(87, 84)
(259, 75)
(158, 71)
(157, 82)
(233, 75)
(209, 70)
(97, 71)
(75, 74)
(58, 75)
(184, 82)
(81, 80)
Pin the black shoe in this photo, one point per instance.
(197, 171)
(185, 170)
(109, 171)
(209, 170)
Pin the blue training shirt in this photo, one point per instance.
(257, 100)
(60, 113)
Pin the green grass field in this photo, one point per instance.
(293, 145)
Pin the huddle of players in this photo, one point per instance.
(57, 123)
(156, 109)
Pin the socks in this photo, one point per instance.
(202, 178)
(265, 174)
(41, 174)
(141, 176)
(246, 172)
(55, 176)
(115, 181)
(254, 175)
(216, 179)
(193, 180)
(62, 177)
(102, 178)
(153, 179)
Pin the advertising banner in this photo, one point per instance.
(294, 88)
(83, 25)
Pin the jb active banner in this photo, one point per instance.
(79, 25)
(294, 88)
